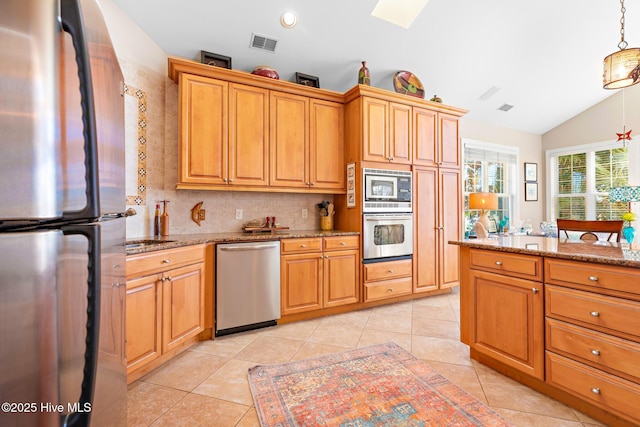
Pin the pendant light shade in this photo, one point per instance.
(622, 68)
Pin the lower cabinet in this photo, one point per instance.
(318, 273)
(165, 303)
(388, 279)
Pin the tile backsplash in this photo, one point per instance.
(162, 173)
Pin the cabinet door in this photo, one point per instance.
(449, 226)
(182, 305)
(203, 130)
(143, 324)
(425, 266)
(508, 321)
(248, 135)
(326, 167)
(301, 282)
(450, 143)
(425, 148)
(341, 278)
(289, 140)
(400, 130)
(375, 130)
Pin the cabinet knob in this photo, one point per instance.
(326, 257)
(312, 184)
(595, 314)
(169, 278)
(115, 285)
(390, 290)
(498, 263)
(231, 180)
(166, 261)
(224, 179)
(390, 271)
(595, 352)
(535, 290)
(162, 279)
(595, 390)
(343, 243)
(593, 278)
(307, 183)
(303, 245)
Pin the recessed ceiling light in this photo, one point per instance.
(288, 19)
(399, 12)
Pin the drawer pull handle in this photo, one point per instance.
(390, 271)
(595, 314)
(593, 278)
(343, 243)
(390, 290)
(595, 390)
(166, 261)
(535, 290)
(303, 245)
(595, 352)
(498, 263)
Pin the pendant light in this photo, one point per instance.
(622, 68)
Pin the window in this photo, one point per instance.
(491, 168)
(581, 178)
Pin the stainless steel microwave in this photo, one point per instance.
(386, 190)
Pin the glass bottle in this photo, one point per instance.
(156, 222)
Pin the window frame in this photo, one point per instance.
(551, 162)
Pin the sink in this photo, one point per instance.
(131, 244)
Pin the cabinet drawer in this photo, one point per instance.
(387, 270)
(387, 289)
(602, 389)
(294, 246)
(525, 266)
(341, 242)
(595, 276)
(612, 315)
(152, 262)
(602, 351)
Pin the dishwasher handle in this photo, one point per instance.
(248, 246)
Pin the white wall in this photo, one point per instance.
(529, 146)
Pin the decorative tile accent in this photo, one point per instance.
(141, 96)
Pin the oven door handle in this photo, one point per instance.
(390, 218)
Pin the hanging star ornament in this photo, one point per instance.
(624, 136)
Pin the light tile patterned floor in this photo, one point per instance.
(207, 385)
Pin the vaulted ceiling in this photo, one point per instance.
(543, 56)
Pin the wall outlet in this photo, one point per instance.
(202, 215)
(304, 213)
(238, 213)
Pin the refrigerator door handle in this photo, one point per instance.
(72, 23)
(82, 417)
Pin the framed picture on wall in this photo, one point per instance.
(530, 191)
(530, 172)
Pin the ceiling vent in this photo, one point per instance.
(263, 42)
(505, 107)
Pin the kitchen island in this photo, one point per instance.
(560, 316)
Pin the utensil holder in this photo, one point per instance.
(326, 223)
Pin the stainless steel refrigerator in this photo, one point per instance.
(62, 230)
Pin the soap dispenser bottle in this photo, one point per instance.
(165, 219)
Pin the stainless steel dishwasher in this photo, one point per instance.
(247, 286)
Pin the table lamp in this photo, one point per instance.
(483, 202)
(626, 194)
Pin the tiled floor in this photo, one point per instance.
(207, 385)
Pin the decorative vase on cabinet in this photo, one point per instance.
(363, 75)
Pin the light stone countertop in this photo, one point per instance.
(179, 240)
(611, 253)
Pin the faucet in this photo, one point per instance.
(130, 212)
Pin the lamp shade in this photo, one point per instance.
(621, 69)
(622, 194)
(483, 201)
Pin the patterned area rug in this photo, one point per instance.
(381, 385)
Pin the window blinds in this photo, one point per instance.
(479, 154)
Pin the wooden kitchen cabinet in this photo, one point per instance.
(438, 215)
(389, 279)
(165, 306)
(224, 133)
(507, 319)
(326, 146)
(317, 273)
(386, 131)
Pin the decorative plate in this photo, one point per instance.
(407, 83)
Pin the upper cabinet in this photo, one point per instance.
(386, 131)
(244, 132)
